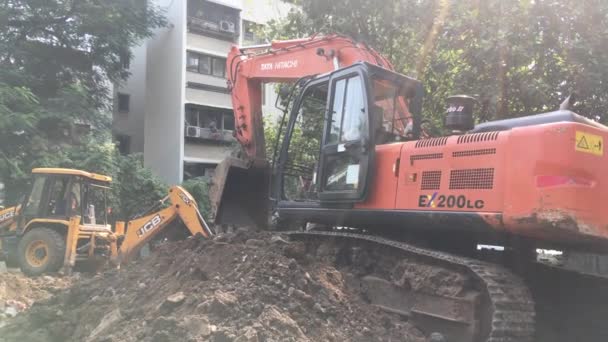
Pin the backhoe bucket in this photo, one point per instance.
(239, 193)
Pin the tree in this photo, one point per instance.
(519, 57)
(57, 60)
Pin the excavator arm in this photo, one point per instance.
(240, 189)
(136, 233)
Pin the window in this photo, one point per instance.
(206, 65)
(348, 115)
(125, 59)
(124, 144)
(33, 203)
(57, 197)
(192, 62)
(215, 120)
(250, 33)
(391, 118)
(123, 103)
(342, 168)
(194, 170)
(219, 66)
(299, 182)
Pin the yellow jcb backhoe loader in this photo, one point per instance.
(63, 220)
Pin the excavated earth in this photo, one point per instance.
(246, 286)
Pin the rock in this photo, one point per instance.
(197, 326)
(220, 305)
(141, 286)
(106, 322)
(48, 278)
(176, 298)
(11, 311)
(250, 335)
(17, 305)
(255, 243)
(278, 240)
(273, 319)
(303, 296)
(319, 308)
(290, 291)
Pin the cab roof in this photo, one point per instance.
(72, 172)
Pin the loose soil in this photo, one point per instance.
(245, 286)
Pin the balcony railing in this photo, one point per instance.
(200, 133)
(220, 29)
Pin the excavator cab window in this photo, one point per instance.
(347, 150)
(305, 135)
(392, 119)
(32, 203)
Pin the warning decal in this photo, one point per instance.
(589, 143)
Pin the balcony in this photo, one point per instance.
(226, 30)
(212, 19)
(208, 134)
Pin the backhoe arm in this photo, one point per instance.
(8, 216)
(284, 61)
(143, 229)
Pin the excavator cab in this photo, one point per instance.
(327, 150)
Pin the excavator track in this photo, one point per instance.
(502, 306)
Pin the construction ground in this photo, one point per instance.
(244, 286)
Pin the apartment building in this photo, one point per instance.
(176, 108)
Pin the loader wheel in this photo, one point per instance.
(41, 250)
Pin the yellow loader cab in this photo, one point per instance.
(58, 198)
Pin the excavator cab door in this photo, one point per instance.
(347, 151)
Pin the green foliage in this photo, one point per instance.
(134, 187)
(199, 189)
(57, 59)
(517, 57)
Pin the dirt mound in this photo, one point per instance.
(237, 287)
(18, 292)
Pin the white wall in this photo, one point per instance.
(133, 122)
(209, 153)
(166, 69)
(199, 43)
(262, 11)
(208, 98)
(205, 79)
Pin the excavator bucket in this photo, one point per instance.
(240, 193)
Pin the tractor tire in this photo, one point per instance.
(40, 251)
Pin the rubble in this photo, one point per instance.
(239, 287)
(18, 292)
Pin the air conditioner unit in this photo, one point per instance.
(193, 132)
(227, 26)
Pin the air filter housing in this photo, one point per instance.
(460, 113)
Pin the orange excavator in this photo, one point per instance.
(419, 209)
